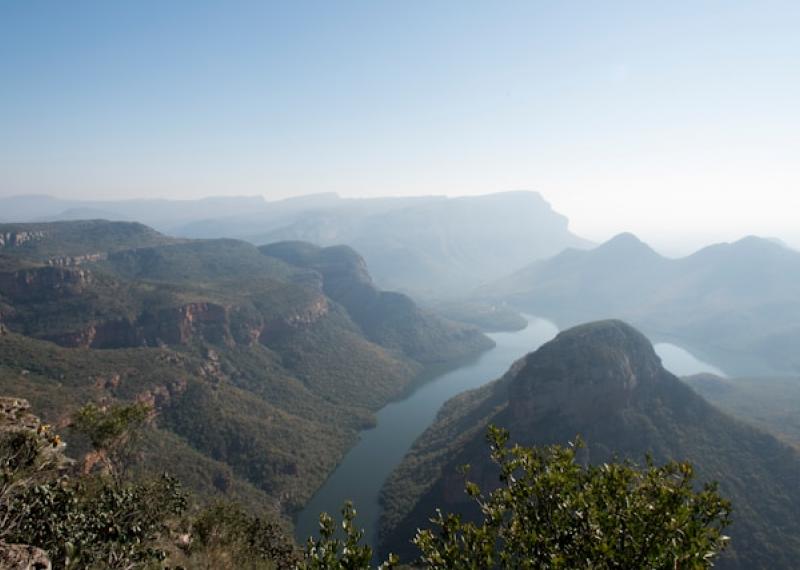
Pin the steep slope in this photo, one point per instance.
(737, 303)
(604, 382)
(259, 377)
(390, 319)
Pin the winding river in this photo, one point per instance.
(366, 466)
(364, 469)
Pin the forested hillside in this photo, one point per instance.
(261, 376)
(604, 383)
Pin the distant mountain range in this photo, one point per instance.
(604, 382)
(434, 247)
(263, 365)
(736, 303)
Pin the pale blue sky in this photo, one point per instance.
(669, 116)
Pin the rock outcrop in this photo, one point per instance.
(73, 260)
(18, 238)
(42, 282)
(390, 319)
(23, 557)
(16, 416)
(210, 322)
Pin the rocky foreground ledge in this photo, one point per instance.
(15, 415)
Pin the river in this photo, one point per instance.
(364, 469)
(366, 466)
(681, 362)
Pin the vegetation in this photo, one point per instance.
(576, 385)
(94, 521)
(259, 382)
(224, 536)
(769, 403)
(389, 319)
(113, 431)
(79, 238)
(550, 512)
(489, 317)
(107, 520)
(97, 523)
(332, 552)
(737, 303)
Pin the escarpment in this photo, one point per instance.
(261, 372)
(18, 238)
(203, 321)
(43, 282)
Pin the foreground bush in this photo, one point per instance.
(549, 512)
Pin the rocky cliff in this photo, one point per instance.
(260, 373)
(388, 318)
(17, 238)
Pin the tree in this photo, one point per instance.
(113, 431)
(27, 457)
(549, 512)
(93, 521)
(224, 536)
(332, 552)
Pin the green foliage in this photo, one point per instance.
(27, 458)
(112, 430)
(489, 317)
(389, 319)
(550, 512)
(87, 522)
(102, 522)
(97, 523)
(75, 238)
(24, 457)
(332, 552)
(770, 403)
(224, 536)
(294, 374)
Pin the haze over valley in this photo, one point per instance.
(264, 364)
(395, 286)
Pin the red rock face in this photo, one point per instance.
(306, 317)
(210, 322)
(161, 396)
(44, 281)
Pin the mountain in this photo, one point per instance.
(604, 382)
(262, 372)
(446, 247)
(429, 246)
(165, 215)
(390, 319)
(736, 303)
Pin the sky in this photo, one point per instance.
(676, 120)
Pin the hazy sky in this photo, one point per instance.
(679, 117)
